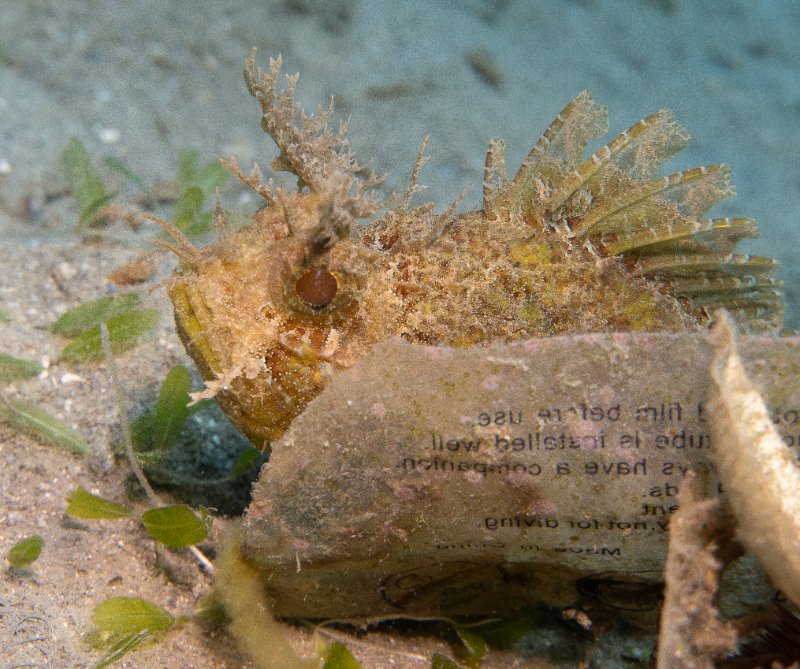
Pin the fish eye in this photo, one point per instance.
(317, 287)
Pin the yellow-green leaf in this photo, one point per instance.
(118, 166)
(124, 332)
(90, 314)
(120, 647)
(211, 610)
(176, 526)
(41, 425)
(246, 461)
(338, 657)
(157, 430)
(142, 432)
(195, 183)
(87, 185)
(25, 551)
(83, 504)
(87, 215)
(14, 369)
(505, 632)
(130, 615)
(207, 177)
(171, 410)
(442, 662)
(188, 208)
(472, 648)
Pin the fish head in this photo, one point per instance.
(271, 310)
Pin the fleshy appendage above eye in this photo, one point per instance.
(317, 287)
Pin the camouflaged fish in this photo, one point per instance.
(566, 245)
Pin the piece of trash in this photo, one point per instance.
(476, 481)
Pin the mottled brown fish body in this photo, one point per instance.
(567, 246)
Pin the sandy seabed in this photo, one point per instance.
(141, 81)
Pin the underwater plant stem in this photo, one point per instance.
(205, 563)
(240, 589)
(123, 419)
(154, 499)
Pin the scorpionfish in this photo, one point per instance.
(271, 310)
